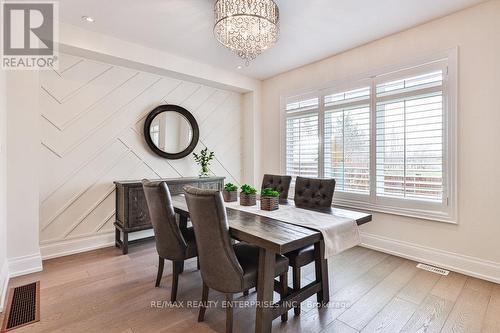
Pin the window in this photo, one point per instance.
(302, 150)
(387, 140)
(347, 140)
(409, 139)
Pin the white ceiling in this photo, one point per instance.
(310, 30)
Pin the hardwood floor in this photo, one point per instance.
(104, 291)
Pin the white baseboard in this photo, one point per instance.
(479, 268)
(76, 245)
(4, 282)
(83, 244)
(25, 265)
(141, 234)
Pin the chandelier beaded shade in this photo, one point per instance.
(247, 27)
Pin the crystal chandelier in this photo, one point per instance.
(247, 27)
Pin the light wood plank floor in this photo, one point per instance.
(104, 291)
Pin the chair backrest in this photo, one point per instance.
(278, 183)
(314, 193)
(170, 243)
(219, 266)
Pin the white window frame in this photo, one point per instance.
(442, 212)
(350, 85)
(308, 112)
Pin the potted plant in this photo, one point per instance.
(248, 196)
(203, 159)
(230, 192)
(269, 199)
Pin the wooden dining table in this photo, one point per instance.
(273, 237)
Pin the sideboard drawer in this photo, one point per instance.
(179, 188)
(209, 185)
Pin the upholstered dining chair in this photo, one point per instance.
(278, 183)
(224, 267)
(172, 243)
(314, 194)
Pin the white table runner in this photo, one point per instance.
(339, 233)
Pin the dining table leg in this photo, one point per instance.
(265, 288)
(323, 296)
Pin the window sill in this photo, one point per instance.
(430, 215)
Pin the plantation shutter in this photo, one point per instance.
(409, 137)
(302, 137)
(347, 140)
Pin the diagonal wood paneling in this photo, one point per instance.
(59, 170)
(63, 141)
(66, 62)
(61, 86)
(92, 115)
(61, 114)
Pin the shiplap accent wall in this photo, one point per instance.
(92, 114)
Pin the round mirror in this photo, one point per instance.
(171, 131)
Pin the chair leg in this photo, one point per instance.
(284, 292)
(176, 270)
(161, 262)
(204, 301)
(181, 267)
(296, 286)
(229, 313)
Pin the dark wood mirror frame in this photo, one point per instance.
(189, 117)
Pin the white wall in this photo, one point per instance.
(66, 129)
(472, 245)
(251, 137)
(23, 162)
(92, 118)
(4, 268)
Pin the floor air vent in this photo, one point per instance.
(23, 306)
(433, 269)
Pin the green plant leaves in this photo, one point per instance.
(269, 192)
(204, 157)
(245, 188)
(230, 187)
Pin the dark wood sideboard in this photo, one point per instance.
(131, 208)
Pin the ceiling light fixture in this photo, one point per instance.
(247, 27)
(88, 19)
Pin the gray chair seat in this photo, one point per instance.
(248, 257)
(301, 257)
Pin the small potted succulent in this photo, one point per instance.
(230, 192)
(248, 196)
(269, 199)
